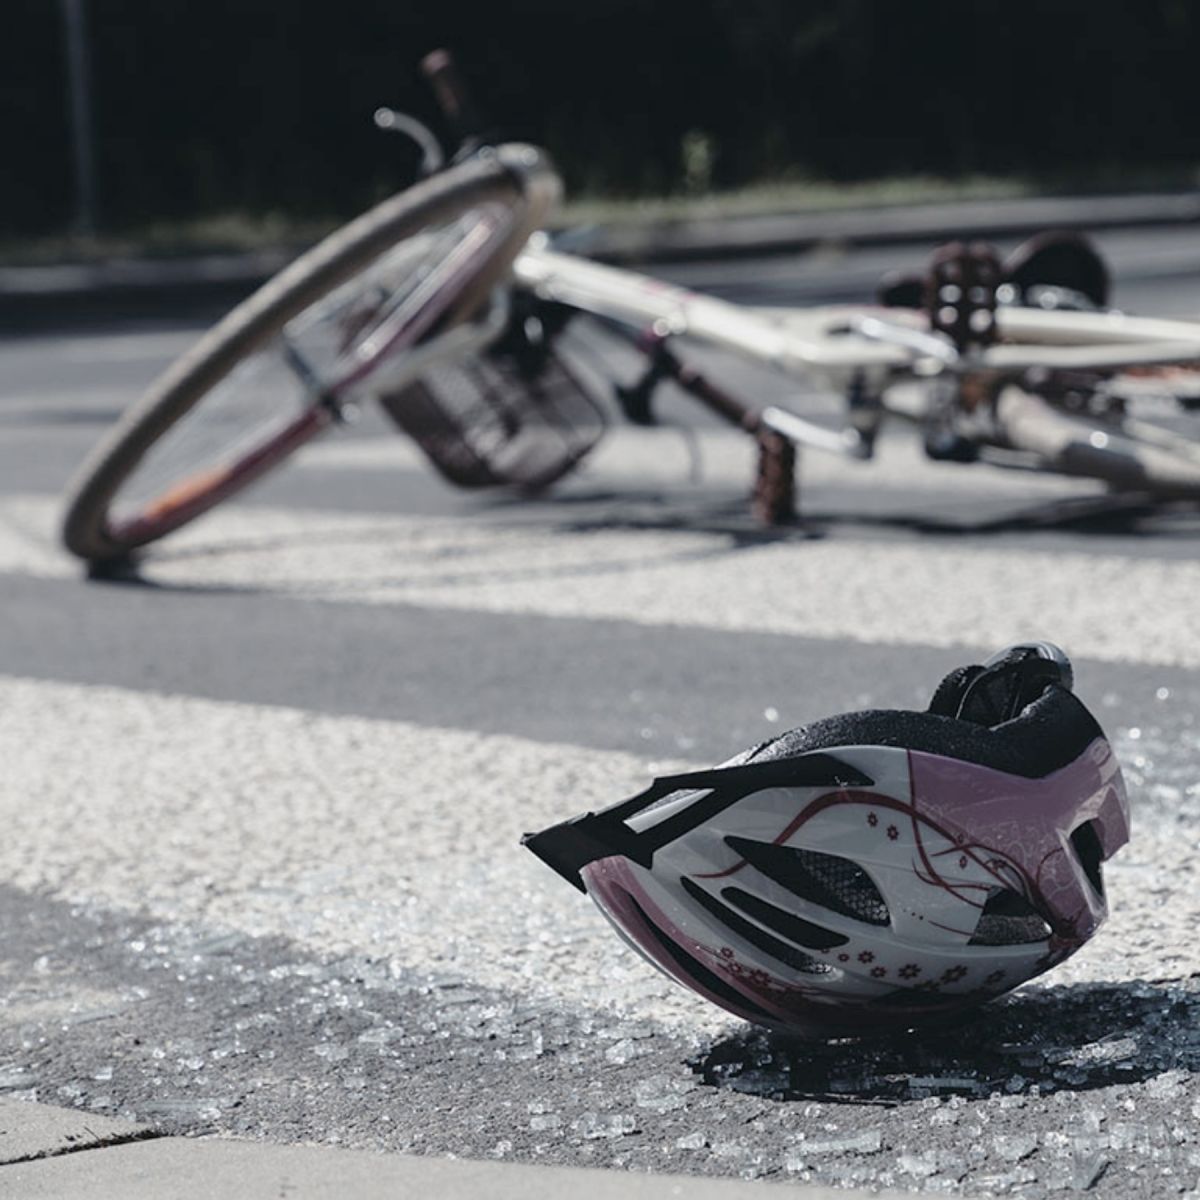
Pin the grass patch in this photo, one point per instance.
(223, 233)
(793, 196)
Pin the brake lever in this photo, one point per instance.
(433, 158)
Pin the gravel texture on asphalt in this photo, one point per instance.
(261, 807)
(274, 926)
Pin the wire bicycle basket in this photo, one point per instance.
(515, 415)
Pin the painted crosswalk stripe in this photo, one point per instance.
(1107, 607)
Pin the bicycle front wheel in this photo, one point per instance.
(273, 373)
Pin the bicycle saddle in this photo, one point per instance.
(1057, 269)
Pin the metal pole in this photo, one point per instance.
(79, 104)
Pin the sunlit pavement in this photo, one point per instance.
(262, 805)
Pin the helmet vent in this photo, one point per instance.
(1087, 845)
(785, 953)
(795, 929)
(1008, 919)
(826, 880)
(696, 973)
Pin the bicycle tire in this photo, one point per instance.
(513, 184)
(1115, 453)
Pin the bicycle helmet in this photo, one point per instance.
(873, 871)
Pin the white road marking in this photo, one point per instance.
(47, 403)
(141, 347)
(105, 347)
(347, 834)
(1099, 606)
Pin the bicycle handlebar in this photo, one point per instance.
(452, 96)
(432, 156)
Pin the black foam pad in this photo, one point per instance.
(1048, 734)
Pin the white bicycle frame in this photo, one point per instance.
(876, 346)
(825, 340)
(1042, 387)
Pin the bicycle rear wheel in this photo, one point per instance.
(1129, 453)
(272, 374)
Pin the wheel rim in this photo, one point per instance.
(287, 391)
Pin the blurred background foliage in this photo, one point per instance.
(259, 106)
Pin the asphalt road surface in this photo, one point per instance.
(261, 806)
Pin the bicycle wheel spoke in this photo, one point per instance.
(317, 359)
(376, 302)
(346, 337)
(251, 408)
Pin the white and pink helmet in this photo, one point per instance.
(873, 871)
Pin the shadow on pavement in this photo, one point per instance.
(1128, 520)
(1115, 515)
(1075, 1037)
(1110, 515)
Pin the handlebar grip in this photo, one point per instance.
(440, 69)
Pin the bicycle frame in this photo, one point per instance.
(997, 378)
(822, 340)
(853, 346)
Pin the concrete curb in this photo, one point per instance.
(33, 1131)
(201, 286)
(209, 284)
(95, 1158)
